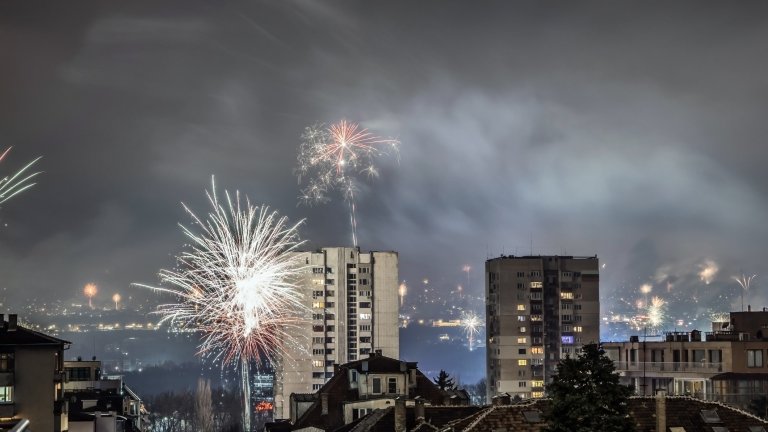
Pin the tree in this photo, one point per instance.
(587, 395)
(204, 406)
(444, 381)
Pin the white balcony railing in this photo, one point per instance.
(690, 367)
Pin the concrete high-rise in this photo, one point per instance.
(539, 309)
(353, 299)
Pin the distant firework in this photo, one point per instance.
(744, 281)
(402, 291)
(646, 288)
(332, 157)
(17, 183)
(237, 286)
(116, 298)
(471, 324)
(707, 271)
(90, 290)
(656, 312)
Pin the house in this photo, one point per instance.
(31, 377)
(361, 387)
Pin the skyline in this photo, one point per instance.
(574, 129)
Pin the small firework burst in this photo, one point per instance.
(17, 183)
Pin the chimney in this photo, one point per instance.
(419, 408)
(324, 403)
(400, 415)
(12, 322)
(749, 308)
(661, 410)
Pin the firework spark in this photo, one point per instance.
(744, 281)
(237, 285)
(402, 291)
(17, 183)
(657, 312)
(116, 298)
(90, 290)
(332, 157)
(707, 271)
(471, 324)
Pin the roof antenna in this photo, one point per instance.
(531, 243)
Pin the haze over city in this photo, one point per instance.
(629, 132)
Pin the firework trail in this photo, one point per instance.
(236, 287)
(471, 324)
(744, 281)
(332, 157)
(17, 183)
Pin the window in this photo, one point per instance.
(318, 304)
(522, 362)
(520, 286)
(576, 307)
(317, 375)
(392, 385)
(521, 329)
(353, 375)
(578, 329)
(568, 340)
(6, 362)
(566, 306)
(316, 386)
(318, 270)
(317, 363)
(521, 317)
(365, 339)
(522, 340)
(577, 318)
(566, 317)
(754, 358)
(365, 305)
(566, 327)
(79, 374)
(537, 394)
(535, 296)
(318, 351)
(535, 273)
(537, 383)
(318, 340)
(376, 387)
(537, 284)
(6, 394)
(520, 274)
(365, 327)
(566, 295)
(537, 350)
(521, 307)
(365, 316)
(521, 351)
(522, 384)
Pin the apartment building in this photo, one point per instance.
(353, 300)
(31, 378)
(539, 309)
(727, 364)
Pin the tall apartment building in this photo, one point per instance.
(538, 310)
(353, 298)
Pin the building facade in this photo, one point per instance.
(728, 364)
(353, 300)
(31, 378)
(539, 309)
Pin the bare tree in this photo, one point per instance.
(204, 406)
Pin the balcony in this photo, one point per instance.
(669, 367)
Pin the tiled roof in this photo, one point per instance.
(685, 412)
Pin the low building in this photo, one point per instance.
(727, 364)
(97, 400)
(363, 386)
(31, 377)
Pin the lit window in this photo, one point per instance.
(566, 295)
(318, 305)
(521, 307)
(365, 316)
(567, 340)
(318, 363)
(536, 284)
(522, 329)
(537, 394)
(537, 350)
(522, 340)
(6, 393)
(522, 362)
(578, 329)
(521, 317)
(537, 383)
(754, 358)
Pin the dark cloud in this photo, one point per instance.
(633, 131)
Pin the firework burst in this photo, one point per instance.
(471, 324)
(331, 158)
(236, 287)
(744, 282)
(17, 183)
(656, 312)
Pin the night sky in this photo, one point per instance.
(634, 131)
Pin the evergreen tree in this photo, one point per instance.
(587, 395)
(444, 381)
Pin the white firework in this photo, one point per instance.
(236, 287)
(471, 324)
(17, 183)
